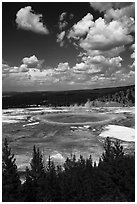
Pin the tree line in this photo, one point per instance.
(112, 179)
(122, 95)
(123, 98)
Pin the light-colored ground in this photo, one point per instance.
(25, 127)
(119, 132)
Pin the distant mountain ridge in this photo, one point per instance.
(60, 98)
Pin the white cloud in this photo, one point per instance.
(133, 55)
(64, 19)
(82, 27)
(104, 6)
(85, 68)
(121, 11)
(106, 53)
(5, 68)
(23, 68)
(14, 69)
(99, 65)
(80, 67)
(101, 6)
(62, 16)
(28, 63)
(62, 67)
(60, 38)
(30, 60)
(106, 36)
(116, 14)
(26, 19)
(132, 66)
(133, 46)
(62, 25)
(115, 61)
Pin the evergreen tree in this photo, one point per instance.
(52, 190)
(34, 177)
(28, 189)
(113, 179)
(37, 166)
(108, 155)
(118, 150)
(113, 151)
(10, 179)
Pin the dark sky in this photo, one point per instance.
(43, 46)
(67, 45)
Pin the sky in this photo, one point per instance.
(55, 46)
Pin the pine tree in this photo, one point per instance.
(118, 150)
(28, 190)
(34, 177)
(112, 151)
(10, 178)
(108, 155)
(37, 166)
(52, 185)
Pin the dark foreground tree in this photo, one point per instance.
(52, 187)
(78, 180)
(119, 169)
(32, 188)
(113, 151)
(10, 179)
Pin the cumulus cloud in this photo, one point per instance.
(62, 25)
(133, 46)
(62, 67)
(132, 66)
(26, 19)
(116, 14)
(60, 38)
(86, 73)
(5, 68)
(104, 39)
(23, 68)
(106, 53)
(133, 55)
(62, 16)
(115, 61)
(121, 11)
(82, 27)
(101, 6)
(14, 69)
(99, 65)
(105, 36)
(80, 67)
(64, 19)
(32, 61)
(104, 6)
(62, 22)
(28, 63)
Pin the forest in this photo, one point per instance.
(112, 179)
(121, 95)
